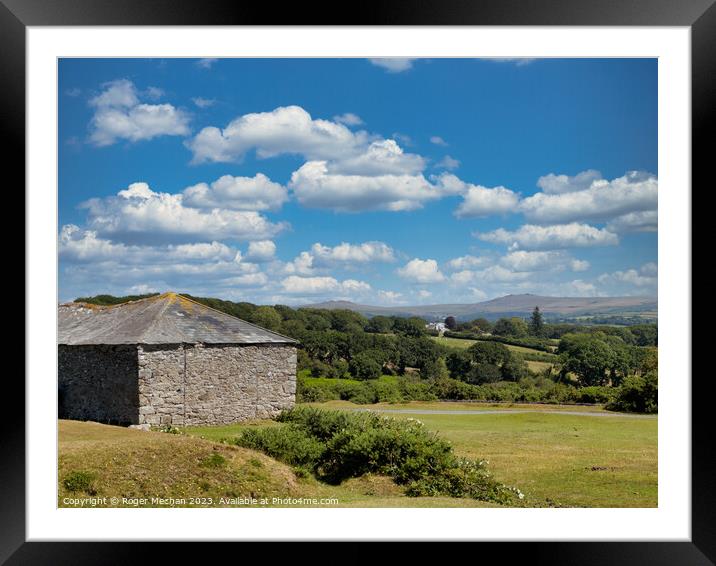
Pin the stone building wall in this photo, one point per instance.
(98, 383)
(214, 384)
(161, 384)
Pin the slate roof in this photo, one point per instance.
(162, 319)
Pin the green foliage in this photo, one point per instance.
(267, 317)
(80, 481)
(337, 445)
(290, 444)
(365, 366)
(536, 323)
(510, 327)
(215, 460)
(594, 358)
(637, 394)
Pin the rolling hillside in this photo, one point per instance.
(509, 305)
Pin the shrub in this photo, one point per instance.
(80, 481)
(289, 444)
(338, 445)
(637, 394)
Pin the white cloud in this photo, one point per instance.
(534, 261)
(301, 264)
(261, 251)
(424, 294)
(393, 64)
(389, 297)
(645, 221)
(491, 274)
(285, 130)
(321, 285)
(206, 63)
(467, 262)
(120, 115)
(481, 201)
(559, 184)
(383, 157)
(437, 140)
(579, 265)
(247, 280)
(560, 236)
(138, 213)
(644, 277)
(203, 102)
(448, 162)
(237, 193)
(367, 252)
(315, 187)
(349, 119)
(421, 271)
(634, 192)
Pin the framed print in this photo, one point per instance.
(393, 279)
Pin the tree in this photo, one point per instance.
(267, 317)
(379, 324)
(536, 323)
(451, 323)
(510, 327)
(481, 324)
(589, 356)
(365, 366)
(412, 326)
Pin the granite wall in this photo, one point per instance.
(98, 383)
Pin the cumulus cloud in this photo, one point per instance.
(645, 277)
(421, 271)
(261, 251)
(559, 236)
(645, 221)
(367, 252)
(393, 64)
(314, 186)
(532, 261)
(383, 157)
(322, 285)
(237, 193)
(138, 213)
(437, 140)
(634, 192)
(349, 119)
(119, 114)
(467, 262)
(285, 130)
(479, 200)
(492, 274)
(558, 184)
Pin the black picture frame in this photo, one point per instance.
(699, 15)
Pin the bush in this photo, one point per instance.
(637, 394)
(338, 445)
(365, 366)
(291, 445)
(80, 481)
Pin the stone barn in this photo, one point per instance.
(168, 360)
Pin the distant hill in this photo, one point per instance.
(509, 305)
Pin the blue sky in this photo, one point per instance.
(378, 181)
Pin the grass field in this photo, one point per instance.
(555, 459)
(464, 343)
